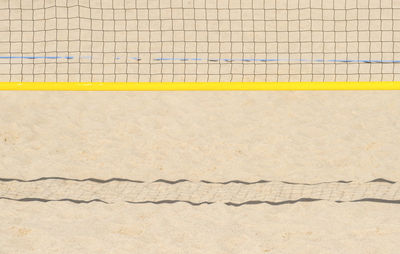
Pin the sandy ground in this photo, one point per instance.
(317, 228)
(302, 137)
(218, 136)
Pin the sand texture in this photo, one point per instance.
(303, 145)
(199, 172)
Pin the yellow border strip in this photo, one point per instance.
(198, 86)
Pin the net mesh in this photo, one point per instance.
(199, 40)
(234, 193)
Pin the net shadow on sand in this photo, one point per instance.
(231, 193)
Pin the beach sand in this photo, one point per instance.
(305, 137)
(298, 137)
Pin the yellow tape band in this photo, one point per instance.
(198, 86)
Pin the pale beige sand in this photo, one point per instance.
(95, 228)
(217, 136)
(306, 137)
(290, 136)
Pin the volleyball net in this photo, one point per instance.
(199, 40)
